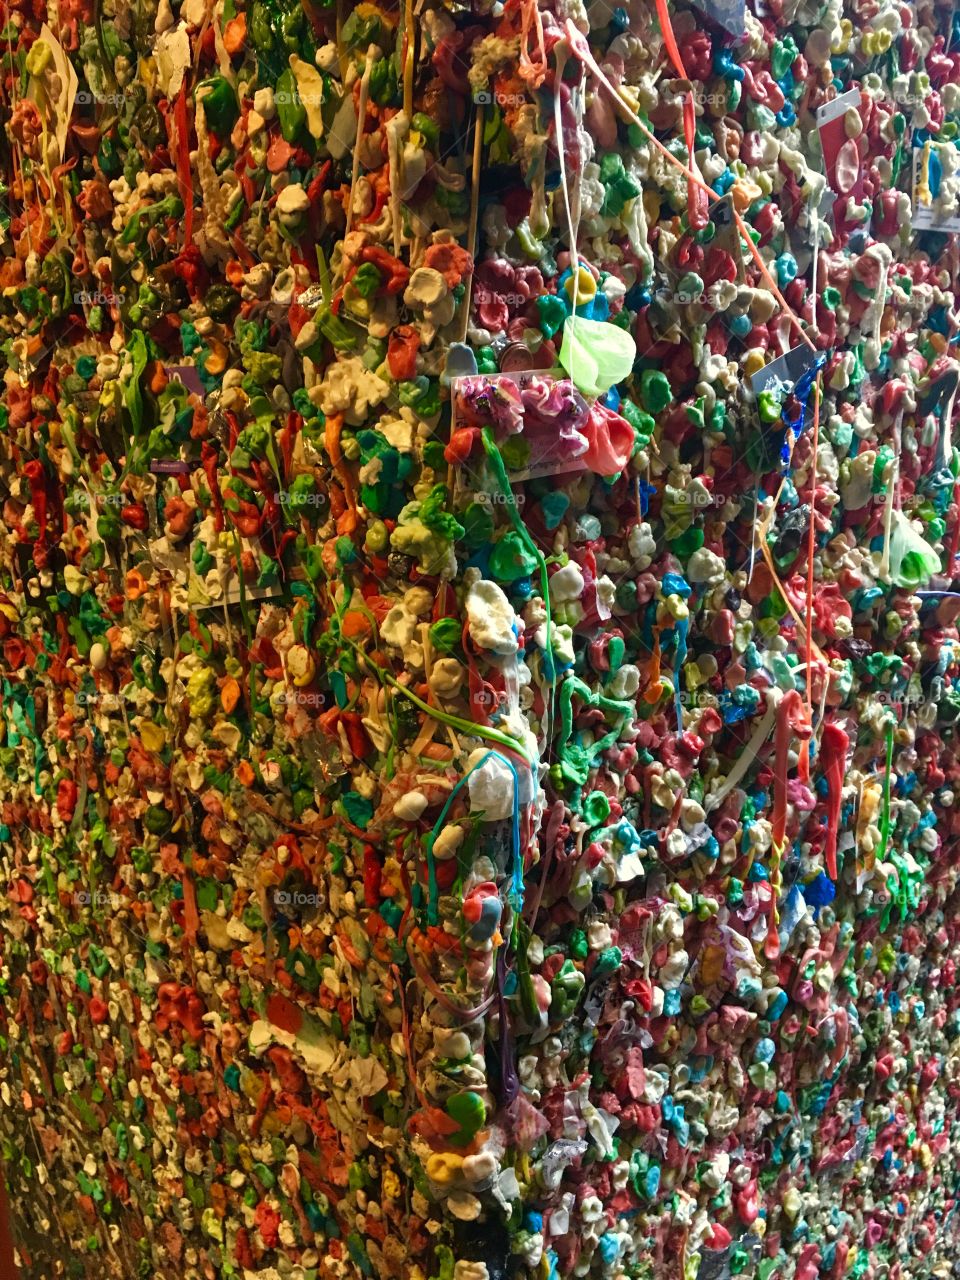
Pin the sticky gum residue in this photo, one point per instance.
(478, 643)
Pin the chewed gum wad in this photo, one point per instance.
(479, 654)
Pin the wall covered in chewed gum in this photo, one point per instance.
(479, 664)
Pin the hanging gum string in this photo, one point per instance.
(571, 230)
(465, 726)
(182, 157)
(342, 55)
(746, 757)
(833, 757)
(580, 46)
(361, 119)
(500, 472)
(791, 717)
(332, 443)
(474, 218)
(681, 628)
(840, 1015)
(689, 110)
(407, 1042)
(432, 697)
(811, 549)
(517, 887)
(406, 939)
(467, 1015)
(432, 913)
(955, 539)
(654, 688)
(815, 265)
(17, 153)
(531, 72)
(945, 442)
(409, 50)
(245, 615)
(762, 531)
(885, 817)
(544, 873)
(892, 499)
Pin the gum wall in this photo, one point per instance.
(478, 639)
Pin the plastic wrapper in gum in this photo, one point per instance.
(478, 639)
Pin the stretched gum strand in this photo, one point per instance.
(361, 118)
(763, 528)
(432, 913)
(689, 111)
(503, 480)
(833, 755)
(544, 870)
(332, 434)
(517, 851)
(791, 718)
(184, 171)
(892, 500)
(409, 55)
(467, 1015)
(881, 852)
(811, 548)
(753, 747)
(472, 225)
(533, 73)
(465, 726)
(564, 184)
(840, 1014)
(407, 1042)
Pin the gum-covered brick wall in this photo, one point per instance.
(480, 673)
